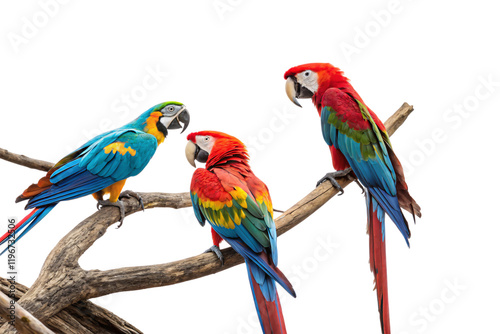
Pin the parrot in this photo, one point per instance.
(101, 166)
(238, 207)
(359, 144)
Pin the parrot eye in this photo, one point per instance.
(207, 138)
(170, 108)
(307, 73)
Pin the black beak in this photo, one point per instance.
(301, 92)
(194, 152)
(184, 118)
(200, 155)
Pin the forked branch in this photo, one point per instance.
(63, 282)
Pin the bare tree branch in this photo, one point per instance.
(398, 118)
(23, 321)
(63, 282)
(25, 161)
(143, 277)
(83, 317)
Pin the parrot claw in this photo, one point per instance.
(129, 194)
(216, 250)
(117, 204)
(359, 184)
(332, 178)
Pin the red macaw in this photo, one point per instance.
(101, 166)
(238, 207)
(358, 143)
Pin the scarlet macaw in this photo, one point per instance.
(358, 140)
(101, 166)
(238, 207)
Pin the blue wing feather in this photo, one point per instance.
(241, 232)
(328, 136)
(254, 258)
(94, 169)
(374, 172)
(196, 208)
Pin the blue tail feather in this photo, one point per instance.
(251, 256)
(390, 205)
(27, 226)
(87, 184)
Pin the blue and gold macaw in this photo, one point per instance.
(101, 166)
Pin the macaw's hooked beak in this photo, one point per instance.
(295, 90)
(194, 152)
(290, 90)
(182, 117)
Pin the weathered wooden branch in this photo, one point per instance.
(398, 118)
(83, 317)
(24, 322)
(62, 282)
(25, 161)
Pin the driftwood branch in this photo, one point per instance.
(24, 322)
(83, 317)
(62, 282)
(25, 161)
(398, 118)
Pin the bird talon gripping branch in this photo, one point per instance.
(129, 194)
(216, 250)
(332, 177)
(118, 204)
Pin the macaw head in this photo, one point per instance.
(311, 80)
(213, 147)
(163, 117)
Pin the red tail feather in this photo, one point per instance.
(379, 267)
(270, 312)
(6, 235)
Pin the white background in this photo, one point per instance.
(225, 60)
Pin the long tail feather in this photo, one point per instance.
(376, 231)
(263, 262)
(25, 225)
(4, 237)
(404, 198)
(268, 307)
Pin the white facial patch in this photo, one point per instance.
(205, 143)
(165, 120)
(308, 79)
